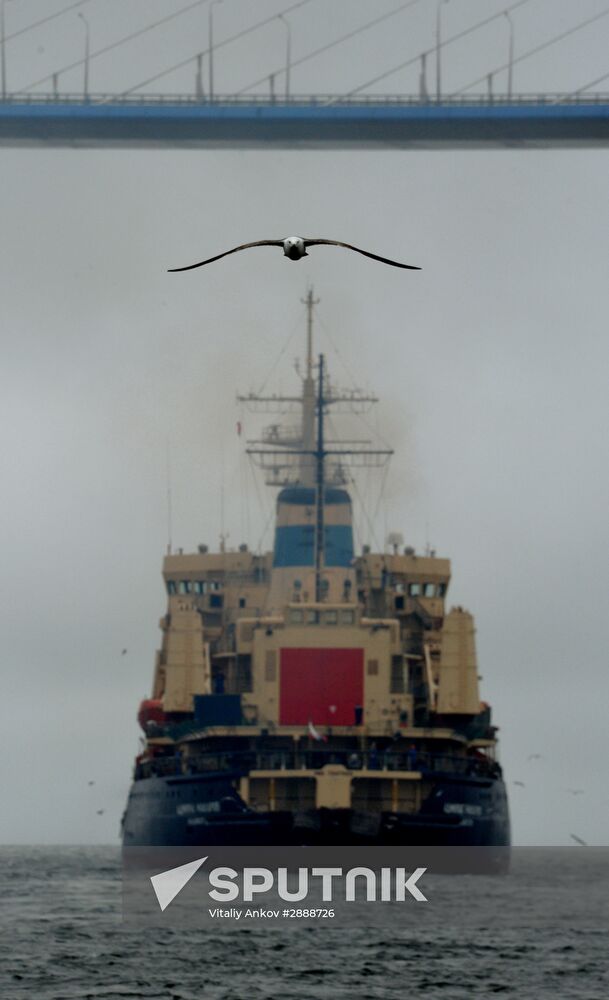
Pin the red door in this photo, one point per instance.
(322, 686)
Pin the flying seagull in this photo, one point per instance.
(535, 756)
(578, 840)
(575, 791)
(295, 247)
(520, 784)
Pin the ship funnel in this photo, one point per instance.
(294, 548)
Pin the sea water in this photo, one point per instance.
(542, 931)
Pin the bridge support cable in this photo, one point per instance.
(330, 45)
(217, 45)
(536, 49)
(414, 59)
(45, 20)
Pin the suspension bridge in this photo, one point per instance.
(491, 115)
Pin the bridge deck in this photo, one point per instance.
(530, 121)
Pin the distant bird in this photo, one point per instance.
(575, 791)
(295, 247)
(123, 651)
(520, 784)
(578, 840)
(90, 782)
(100, 812)
(535, 756)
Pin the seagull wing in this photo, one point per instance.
(244, 246)
(366, 253)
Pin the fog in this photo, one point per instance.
(490, 364)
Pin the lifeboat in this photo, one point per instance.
(151, 710)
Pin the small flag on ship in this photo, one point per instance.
(316, 734)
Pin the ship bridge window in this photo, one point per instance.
(399, 587)
(429, 589)
(330, 617)
(441, 589)
(171, 587)
(414, 589)
(200, 586)
(312, 617)
(184, 587)
(296, 616)
(347, 617)
(213, 586)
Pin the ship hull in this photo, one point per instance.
(200, 810)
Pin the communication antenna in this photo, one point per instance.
(222, 532)
(169, 510)
(320, 455)
(310, 302)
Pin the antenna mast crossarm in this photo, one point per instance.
(355, 452)
(269, 404)
(253, 397)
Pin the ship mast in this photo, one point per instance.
(300, 455)
(307, 472)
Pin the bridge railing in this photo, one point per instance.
(307, 100)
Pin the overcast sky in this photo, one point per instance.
(491, 366)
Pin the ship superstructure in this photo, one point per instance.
(315, 694)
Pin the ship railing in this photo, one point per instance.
(354, 760)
